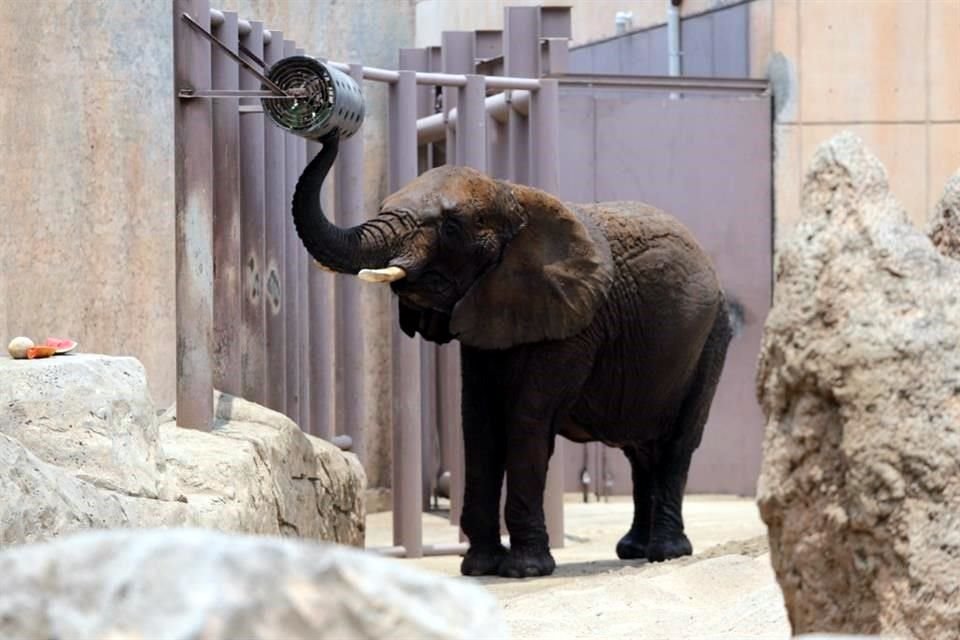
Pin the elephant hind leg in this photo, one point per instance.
(633, 545)
(667, 538)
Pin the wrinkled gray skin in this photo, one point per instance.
(600, 322)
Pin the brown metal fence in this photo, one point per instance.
(249, 305)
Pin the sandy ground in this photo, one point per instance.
(725, 590)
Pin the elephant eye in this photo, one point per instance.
(449, 228)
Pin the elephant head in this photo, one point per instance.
(490, 263)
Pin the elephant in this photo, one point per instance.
(597, 322)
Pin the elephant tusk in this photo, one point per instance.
(387, 274)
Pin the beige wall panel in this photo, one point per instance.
(785, 72)
(944, 52)
(862, 60)
(761, 36)
(787, 171)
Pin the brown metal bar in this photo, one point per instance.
(557, 55)
(292, 250)
(227, 290)
(521, 56)
(545, 113)
(202, 30)
(350, 329)
(418, 60)
(459, 52)
(193, 197)
(398, 551)
(323, 334)
(302, 265)
(472, 124)
(276, 290)
(253, 316)
(685, 83)
(407, 452)
(228, 93)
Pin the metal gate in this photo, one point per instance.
(705, 157)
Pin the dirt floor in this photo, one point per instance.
(725, 590)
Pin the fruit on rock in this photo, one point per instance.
(40, 351)
(18, 347)
(62, 345)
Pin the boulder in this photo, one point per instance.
(81, 447)
(41, 500)
(257, 472)
(88, 414)
(859, 380)
(190, 584)
(945, 226)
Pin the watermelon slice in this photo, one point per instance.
(60, 345)
(40, 351)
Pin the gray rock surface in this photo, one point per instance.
(81, 447)
(859, 380)
(88, 414)
(945, 226)
(193, 584)
(257, 472)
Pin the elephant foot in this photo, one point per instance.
(675, 546)
(527, 563)
(483, 561)
(630, 547)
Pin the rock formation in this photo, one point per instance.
(81, 447)
(190, 584)
(859, 380)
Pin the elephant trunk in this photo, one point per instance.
(355, 250)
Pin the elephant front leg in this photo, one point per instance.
(529, 449)
(484, 448)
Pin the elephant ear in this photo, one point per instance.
(550, 280)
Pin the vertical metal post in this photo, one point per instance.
(292, 316)
(521, 57)
(303, 278)
(472, 123)
(407, 466)
(276, 287)
(350, 330)
(323, 334)
(418, 60)
(193, 188)
(545, 112)
(558, 55)
(253, 318)
(227, 290)
(459, 51)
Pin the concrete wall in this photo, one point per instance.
(86, 171)
(591, 19)
(86, 178)
(885, 69)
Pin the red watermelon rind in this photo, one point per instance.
(62, 345)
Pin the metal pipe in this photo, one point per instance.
(673, 37)
(545, 174)
(390, 76)
(447, 549)
(407, 452)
